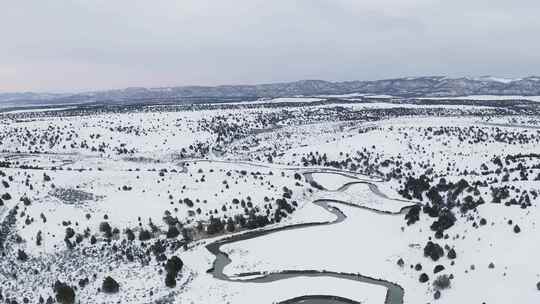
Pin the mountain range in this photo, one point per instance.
(410, 87)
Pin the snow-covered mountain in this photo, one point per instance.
(429, 86)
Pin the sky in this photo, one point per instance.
(80, 45)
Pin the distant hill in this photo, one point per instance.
(430, 86)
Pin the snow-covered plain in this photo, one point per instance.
(333, 186)
(487, 97)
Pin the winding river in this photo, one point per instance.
(394, 294)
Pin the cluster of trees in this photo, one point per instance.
(109, 285)
(65, 294)
(172, 267)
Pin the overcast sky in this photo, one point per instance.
(74, 45)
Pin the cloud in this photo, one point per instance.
(84, 44)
